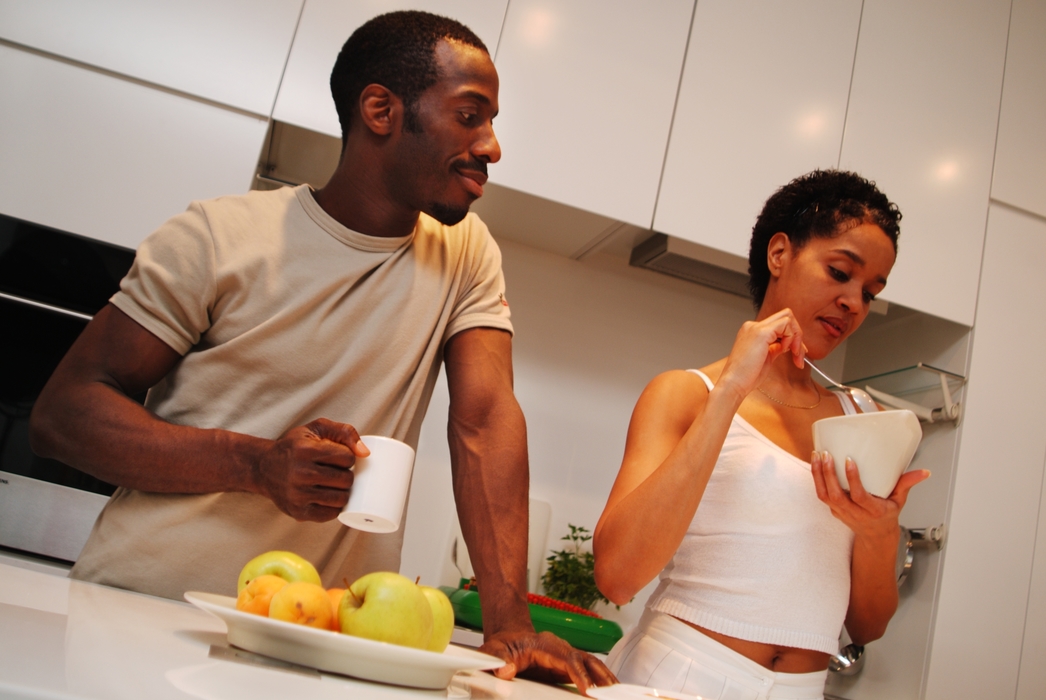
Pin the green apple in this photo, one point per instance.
(387, 607)
(287, 565)
(442, 618)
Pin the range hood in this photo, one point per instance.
(693, 262)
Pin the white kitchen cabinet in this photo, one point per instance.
(983, 603)
(1020, 156)
(305, 96)
(229, 51)
(921, 122)
(1031, 679)
(587, 92)
(109, 158)
(762, 100)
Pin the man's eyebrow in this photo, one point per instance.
(475, 95)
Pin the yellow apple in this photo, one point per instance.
(256, 595)
(287, 565)
(302, 603)
(442, 618)
(387, 607)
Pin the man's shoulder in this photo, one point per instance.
(253, 215)
(250, 201)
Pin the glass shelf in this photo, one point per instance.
(919, 378)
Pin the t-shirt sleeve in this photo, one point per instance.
(170, 288)
(481, 301)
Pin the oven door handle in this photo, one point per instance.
(49, 307)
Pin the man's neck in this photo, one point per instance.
(353, 197)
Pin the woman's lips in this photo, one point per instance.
(834, 326)
(473, 180)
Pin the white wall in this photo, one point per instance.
(589, 336)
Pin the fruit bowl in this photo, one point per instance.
(341, 653)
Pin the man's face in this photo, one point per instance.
(441, 169)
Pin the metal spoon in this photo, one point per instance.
(860, 397)
(848, 661)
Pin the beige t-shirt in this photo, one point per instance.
(282, 316)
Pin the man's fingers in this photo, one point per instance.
(547, 658)
(341, 433)
(598, 671)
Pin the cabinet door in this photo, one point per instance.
(762, 100)
(229, 51)
(587, 91)
(109, 158)
(922, 122)
(983, 604)
(305, 96)
(1020, 156)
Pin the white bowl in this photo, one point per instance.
(882, 445)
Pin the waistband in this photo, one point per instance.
(700, 647)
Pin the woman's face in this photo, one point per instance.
(829, 283)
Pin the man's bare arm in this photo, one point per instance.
(85, 418)
(488, 447)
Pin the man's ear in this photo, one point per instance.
(380, 110)
(779, 248)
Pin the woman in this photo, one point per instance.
(762, 555)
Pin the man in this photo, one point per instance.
(273, 328)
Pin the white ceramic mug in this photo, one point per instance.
(379, 489)
(882, 445)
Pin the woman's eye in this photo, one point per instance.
(838, 275)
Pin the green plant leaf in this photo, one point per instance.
(570, 575)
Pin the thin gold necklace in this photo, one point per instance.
(791, 405)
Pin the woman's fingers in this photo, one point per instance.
(905, 484)
(817, 469)
(789, 335)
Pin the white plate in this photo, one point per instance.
(624, 691)
(341, 653)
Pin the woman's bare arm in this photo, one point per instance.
(674, 439)
(874, 522)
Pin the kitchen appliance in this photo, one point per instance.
(51, 284)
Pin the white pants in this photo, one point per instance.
(665, 653)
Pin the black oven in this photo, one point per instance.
(51, 284)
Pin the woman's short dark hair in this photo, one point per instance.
(396, 50)
(816, 204)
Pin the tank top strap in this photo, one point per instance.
(704, 377)
(848, 408)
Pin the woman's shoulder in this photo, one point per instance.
(679, 389)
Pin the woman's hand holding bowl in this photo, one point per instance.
(870, 517)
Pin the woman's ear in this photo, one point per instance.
(380, 109)
(777, 252)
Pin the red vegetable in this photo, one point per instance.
(545, 602)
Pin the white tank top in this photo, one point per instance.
(763, 559)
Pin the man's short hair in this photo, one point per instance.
(395, 50)
(819, 204)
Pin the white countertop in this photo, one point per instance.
(67, 639)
